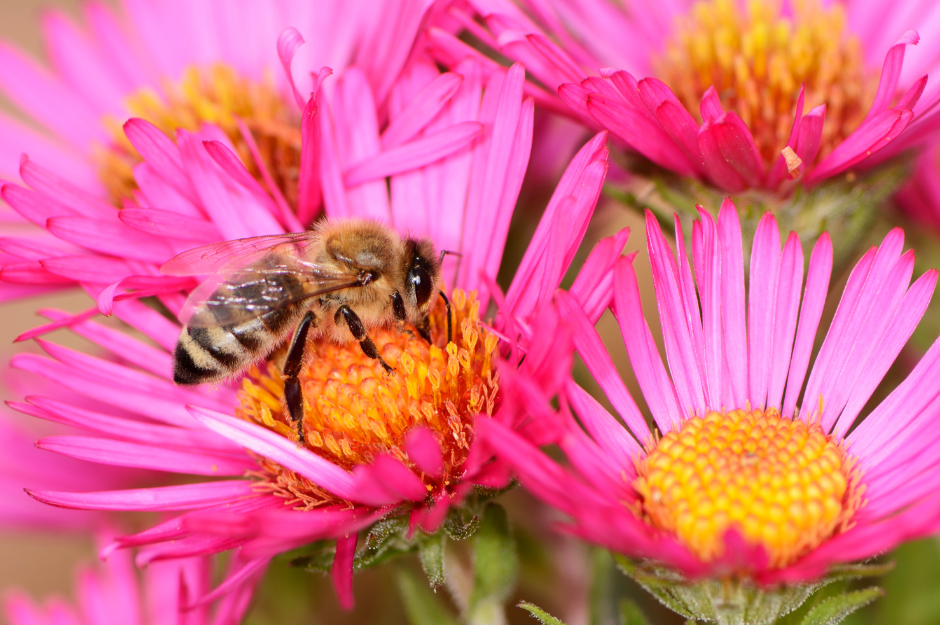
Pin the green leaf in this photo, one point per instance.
(630, 614)
(544, 617)
(422, 605)
(495, 566)
(431, 554)
(912, 597)
(834, 609)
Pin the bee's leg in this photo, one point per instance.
(293, 394)
(450, 329)
(424, 328)
(354, 323)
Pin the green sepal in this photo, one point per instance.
(835, 609)
(849, 205)
(734, 602)
(431, 554)
(495, 565)
(422, 605)
(630, 613)
(544, 617)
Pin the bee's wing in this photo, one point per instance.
(227, 256)
(258, 289)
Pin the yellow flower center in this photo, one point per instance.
(354, 411)
(781, 483)
(758, 60)
(216, 95)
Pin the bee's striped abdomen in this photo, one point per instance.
(207, 354)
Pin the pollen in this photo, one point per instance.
(355, 411)
(756, 58)
(252, 114)
(781, 483)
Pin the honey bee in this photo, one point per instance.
(338, 280)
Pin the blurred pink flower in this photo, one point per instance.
(919, 198)
(455, 151)
(112, 593)
(776, 485)
(649, 74)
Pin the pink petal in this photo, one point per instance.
(867, 139)
(890, 73)
(278, 449)
(645, 360)
(309, 186)
(423, 108)
(342, 570)
(287, 44)
(732, 300)
(160, 153)
(125, 454)
(602, 368)
(169, 224)
(425, 452)
(762, 306)
(640, 132)
(788, 305)
(111, 237)
(164, 498)
(414, 155)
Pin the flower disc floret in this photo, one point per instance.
(214, 95)
(757, 58)
(782, 483)
(355, 412)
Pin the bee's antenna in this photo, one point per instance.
(450, 330)
(447, 253)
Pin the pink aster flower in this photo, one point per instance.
(110, 594)
(739, 96)
(747, 474)
(466, 141)
(242, 67)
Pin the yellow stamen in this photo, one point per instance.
(215, 95)
(355, 411)
(758, 60)
(781, 483)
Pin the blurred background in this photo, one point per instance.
(563, 577)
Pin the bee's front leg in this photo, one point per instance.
(354, 323)
(293, 393)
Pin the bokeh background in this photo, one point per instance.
(574, 582)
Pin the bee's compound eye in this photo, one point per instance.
(420, 281)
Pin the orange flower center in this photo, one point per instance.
(781, 483)
(757, 61)
(216, 95)
(354, 411)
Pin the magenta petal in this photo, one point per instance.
(164, 498)
(640, 131)
(287, 43)
(342, 570)
(890, 73)
(277, 448)
(387, 481)
(170, 224)
(867, 139)
(732, 300)
(762, 306)
(710, 106)
(161, 153)
(423, 108)
(811, 127)
(413, 155)
(424, 451)
(309, 186)
(717, 169)
(106, 451)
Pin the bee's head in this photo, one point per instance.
(422, 273)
